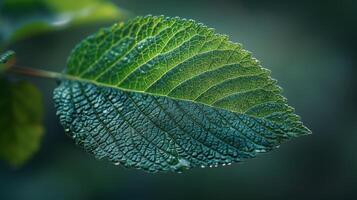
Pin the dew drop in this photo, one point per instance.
(260, 150)
(181, 164)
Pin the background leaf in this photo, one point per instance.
(20, 121)
(20, 19)
(167, 94)
(6, 60)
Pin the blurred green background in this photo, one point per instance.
(311, 48)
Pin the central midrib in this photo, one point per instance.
(100, 84)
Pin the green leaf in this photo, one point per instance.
(20, 121)
(20, 19)
(166, 94)
(6, 60)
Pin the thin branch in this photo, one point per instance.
(34, 72)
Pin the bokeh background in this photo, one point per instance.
(311, 48)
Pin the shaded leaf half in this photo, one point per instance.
(166, 94)
(21, 118)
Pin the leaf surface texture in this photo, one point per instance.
(166, 94)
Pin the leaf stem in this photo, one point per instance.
(34, 72)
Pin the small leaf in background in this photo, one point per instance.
(6, 60)
(167, 94)
(20, 19)
(21, 119)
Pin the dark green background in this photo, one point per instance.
(310, 46)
